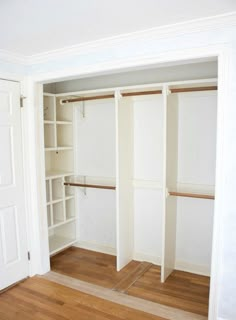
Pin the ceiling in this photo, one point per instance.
(30, 27)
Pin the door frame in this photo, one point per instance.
(223, 54)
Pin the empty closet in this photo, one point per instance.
(130, 171)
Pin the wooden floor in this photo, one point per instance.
(182, 290)
(40, 299)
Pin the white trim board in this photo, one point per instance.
(154, 86)
(95, 247)
(192, 268)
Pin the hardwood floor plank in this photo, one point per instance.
(90, 266)
(40, 299)
(123, 299)
(124, 284)
(182, 290)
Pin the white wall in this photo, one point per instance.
(200, 70)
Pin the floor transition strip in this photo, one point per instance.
(123, 299)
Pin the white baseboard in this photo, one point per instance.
(95, 247)
(193, 268)
(140, 256)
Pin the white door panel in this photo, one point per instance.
(13, 238)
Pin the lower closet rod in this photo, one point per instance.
(191, 195)
(75, 184)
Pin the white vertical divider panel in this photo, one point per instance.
(170, 182)
(124, 186)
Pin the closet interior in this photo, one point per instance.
(130, 170)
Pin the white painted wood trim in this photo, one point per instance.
(193, 268)
(158, 85)
(216, 261)
(147, 184)
(165, 88)
(95, 247)
(140, 256)
(221, 51)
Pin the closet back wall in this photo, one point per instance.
(95, 161)
(193, 71)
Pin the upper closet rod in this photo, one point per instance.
(191, 195)
(138, 93)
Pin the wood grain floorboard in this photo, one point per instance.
(146, 306)
(182, 290)
(90, 266)
(40, 299)
(132, 277)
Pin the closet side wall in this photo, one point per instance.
(196, 172)
(148, 176)
(124, 191)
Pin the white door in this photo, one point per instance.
(13, 238)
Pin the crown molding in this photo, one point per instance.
(178, 29)
(173, 30)
(14, 58)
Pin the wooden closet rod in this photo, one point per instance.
(191, 195)
(177, 90)
(139, 93)
(105, 96)
(75, 184)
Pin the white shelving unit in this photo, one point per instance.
(152, 145)
(59, 158)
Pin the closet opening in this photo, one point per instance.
(130, 180)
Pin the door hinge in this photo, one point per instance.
(22, 101)
(28, 255)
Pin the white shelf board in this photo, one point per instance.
(64, 147)
(61, 223)
(57, 174)
(69, 197)
(64, 122)
(57, 243)
(49, 122)
(61, 148)
(56, 201)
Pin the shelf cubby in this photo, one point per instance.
(59, 161)
(61, 237)
(57, 189)
(49, 135)
(58, 213)
(70, 208)
(49, 108)
(64, 135)
(64, 112)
